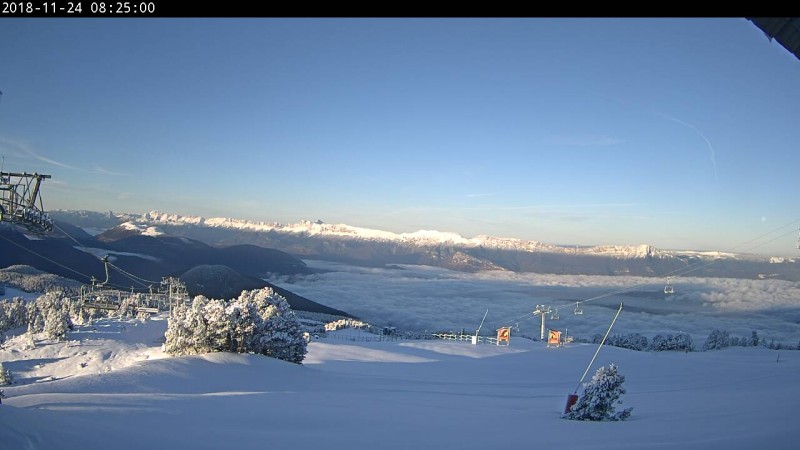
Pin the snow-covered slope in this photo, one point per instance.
(113, 388)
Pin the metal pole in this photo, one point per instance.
(542, 336)
(598, 349)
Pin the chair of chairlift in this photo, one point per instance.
(668, 289)
(578, 310)
(554, 314)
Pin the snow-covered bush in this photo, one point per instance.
(599, 397)
(259, 321)
(678, 342)
(717, 340)
(50, 313)
(13, 314)
(6, 377)
(346, 323)
(633, 341)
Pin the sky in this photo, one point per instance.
(679, 133)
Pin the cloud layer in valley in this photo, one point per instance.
(429, 298)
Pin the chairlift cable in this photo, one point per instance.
(129, 275)
(67, 235)
(46, 258)
(133, 277)
(767, 234)
(698, 265)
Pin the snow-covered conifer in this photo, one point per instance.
(679, 342)
(217, 326)
(56, 324)
(177, 336)
(716, 340)
(242, 315)
(258, 321)
(6, 377)
(634, 341)
(280, 335)
(599, 397)
(754, 341)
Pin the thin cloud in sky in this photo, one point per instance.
(11, 149)
(712, 151)
(98, 169)
(52, 161)
(699, 133)
(24, 151)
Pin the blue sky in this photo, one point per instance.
(680, 133)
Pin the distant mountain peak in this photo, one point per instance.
(420, 237)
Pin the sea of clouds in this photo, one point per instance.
(436, 299)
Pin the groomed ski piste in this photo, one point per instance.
(110, 386)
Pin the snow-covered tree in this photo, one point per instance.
(716, 340)
(754, 339)
(634, 341)
(258, 321)
(679, 342)
(279, 333)
(6, 377)
(599, 397)
(217, 326)
(30, 342)
(127, 307)
(56, 324)
(35, 318)
(181, 335)
(242, 316)
(13, 314)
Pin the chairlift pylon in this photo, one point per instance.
(21, 202)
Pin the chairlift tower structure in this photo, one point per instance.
(542, 310)
(21, 202)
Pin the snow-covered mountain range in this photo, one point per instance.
(364, 246)
(417, 238)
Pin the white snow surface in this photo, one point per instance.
(12, 293)
(110, 386)
(142, 229)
